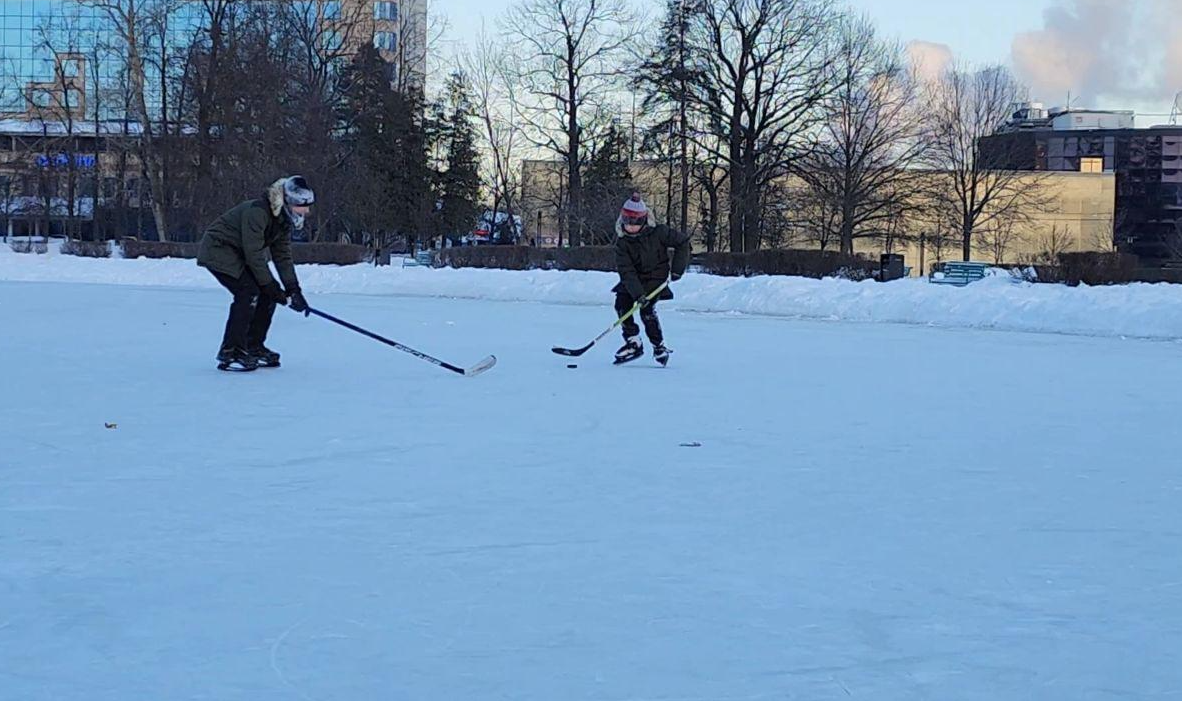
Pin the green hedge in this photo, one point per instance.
(329, 253)
(301, 253)
(86, 249)
(804, 263)
(29, 246)
(1092, 268)
(1097, 268)
(134, 248)
(601, 258)
(773, 262)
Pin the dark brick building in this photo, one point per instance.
(1147, 164)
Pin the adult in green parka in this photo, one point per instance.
(235, 248)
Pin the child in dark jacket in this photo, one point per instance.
(642, 259)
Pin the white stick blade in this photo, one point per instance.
(482, 366)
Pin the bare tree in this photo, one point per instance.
(68, 155)
(999, 237)
(862, 173)
(7, 81)
(710, 181)
(981, 186)
(570, 54)
(206, 55)
(496, 108)
(1103, 237)
(1051, 243)
(671, 65)
(321, 49)
(56, 107)
(130, 19)
(819, 217)
(98, 54)
(766, 78)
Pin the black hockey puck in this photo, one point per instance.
(571, 365)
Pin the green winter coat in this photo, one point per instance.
(242, 238)
(643, 260)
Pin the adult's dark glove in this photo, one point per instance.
(273, 292)
(298, 303)
(675, 277)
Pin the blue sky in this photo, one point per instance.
(977, 31)
(1110, 54)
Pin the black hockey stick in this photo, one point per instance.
(476, 369)
(635, 307)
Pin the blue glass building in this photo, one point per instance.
(38, 36)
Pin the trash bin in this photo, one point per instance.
(890, 267)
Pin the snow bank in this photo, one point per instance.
(1137, 310)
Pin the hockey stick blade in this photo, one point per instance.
(573, 352)
(483, 366)
(478, 368)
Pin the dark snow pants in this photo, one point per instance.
(250, 312)
(648, 315)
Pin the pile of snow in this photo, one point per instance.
(1136, 310)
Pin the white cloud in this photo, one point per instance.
(930, 59)
(1102, 51)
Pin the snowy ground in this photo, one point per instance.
(1135, 311)
(874, 512)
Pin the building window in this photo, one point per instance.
(73, 99)
(1091, 165)
(385, 10)
(385, 41)
(332, 40)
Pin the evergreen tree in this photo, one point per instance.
(608, 182)
(667, 77)
(410, 172)
(364, 117)
(457, 181)
(389, 135)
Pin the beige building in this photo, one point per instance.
(1076, 215)
(61, 99)
(397, 28)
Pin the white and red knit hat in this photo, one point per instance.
(634, 210)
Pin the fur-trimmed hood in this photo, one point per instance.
(275, 197)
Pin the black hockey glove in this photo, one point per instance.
(298, 303)
(273, 292)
